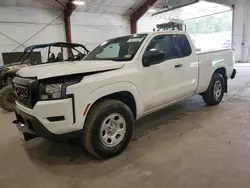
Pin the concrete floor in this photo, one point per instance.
(186, 145)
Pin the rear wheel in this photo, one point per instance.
(215, 92)
(7, 100)
(108, 129)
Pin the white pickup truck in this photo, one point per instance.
(122, 80)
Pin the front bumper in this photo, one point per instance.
(53, 120)
(31, 128)
(57, 116)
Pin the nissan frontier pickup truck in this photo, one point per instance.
(98, 99)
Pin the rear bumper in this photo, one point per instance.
(31, 128)
(233, 74)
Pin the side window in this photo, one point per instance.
(182, 46)
(162, 43)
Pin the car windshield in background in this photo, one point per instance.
(118, 49)
(52, 53)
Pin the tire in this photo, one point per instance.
(7, 101)
(215, 92)
(97, 133)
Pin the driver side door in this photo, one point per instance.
(161, 77)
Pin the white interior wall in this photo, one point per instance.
(92, 29)
(20, 24)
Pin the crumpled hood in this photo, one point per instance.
(68, 68)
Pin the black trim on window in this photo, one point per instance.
(179, 51)
(183, 50)
(175, 53)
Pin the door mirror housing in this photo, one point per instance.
(153, 57)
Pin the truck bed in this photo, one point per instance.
(226, 55)
(207, 62)
(211, 51)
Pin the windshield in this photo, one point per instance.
(118, 49)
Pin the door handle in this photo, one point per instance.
(178, 66)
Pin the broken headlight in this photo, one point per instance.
(55, 88)
(50, 91)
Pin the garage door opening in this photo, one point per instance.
(209, 24)
(213, 32)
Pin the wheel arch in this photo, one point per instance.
(125, 92)
(206, 77)
(223, 72)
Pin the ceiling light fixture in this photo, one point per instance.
(79, 2)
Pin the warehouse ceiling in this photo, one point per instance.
(199, 9)
(120, 7)
(172, 3)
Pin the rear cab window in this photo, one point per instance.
(182, 45)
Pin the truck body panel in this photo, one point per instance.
(152, 87)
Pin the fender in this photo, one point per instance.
(114, 88)
(206, 72)
(220, 64)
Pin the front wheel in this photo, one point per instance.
(108, 129)
(215, 92)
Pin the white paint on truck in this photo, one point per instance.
(181, 74)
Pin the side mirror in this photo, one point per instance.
(153, 57)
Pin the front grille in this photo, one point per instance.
(21, 94)
(26, 91)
